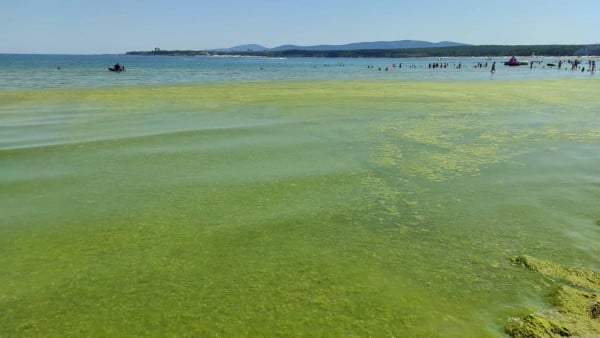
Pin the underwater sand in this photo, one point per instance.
(317, 208)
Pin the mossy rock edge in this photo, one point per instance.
(576, 303)
(534, 325)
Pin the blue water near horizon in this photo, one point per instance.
(22, 71)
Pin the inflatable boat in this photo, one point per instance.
(514, 62)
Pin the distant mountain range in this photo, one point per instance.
(413, 49)
(350, 46)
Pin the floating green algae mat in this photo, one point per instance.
(359, 208)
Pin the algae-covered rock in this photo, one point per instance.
(595, 309)
(572, 301)
(575, 301)
(535, 326)
(577, 277)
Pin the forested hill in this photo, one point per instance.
(453, 51)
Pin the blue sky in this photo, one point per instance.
(111, 26)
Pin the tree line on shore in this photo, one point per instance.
(455, 51)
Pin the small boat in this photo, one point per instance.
(122, 69)
(514, 62)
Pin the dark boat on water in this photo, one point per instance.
(514, 62)
(117, 68)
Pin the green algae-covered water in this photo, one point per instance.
(293, 208)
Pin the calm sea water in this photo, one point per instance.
(196, 196)
(42, 71)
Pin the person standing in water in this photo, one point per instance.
(494, 67)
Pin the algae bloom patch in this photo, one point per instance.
(372, 208)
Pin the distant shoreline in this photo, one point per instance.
(454, 51)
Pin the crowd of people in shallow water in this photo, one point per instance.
(561, 64)
(572, 64)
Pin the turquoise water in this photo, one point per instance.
(41, 71)
(328, 201)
